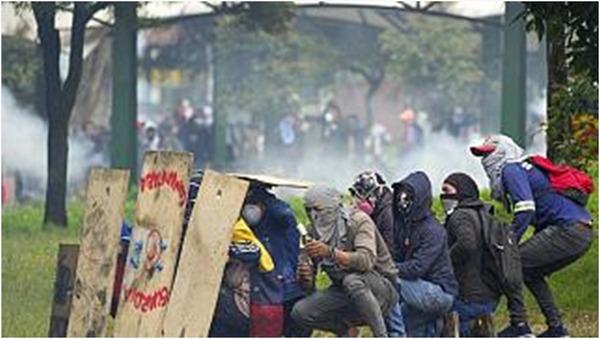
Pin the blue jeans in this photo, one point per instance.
(468, 311)
(422, 305)
(395, 322)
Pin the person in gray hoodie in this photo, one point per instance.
(347, 246)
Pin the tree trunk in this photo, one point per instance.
(59, 99)
(58, 150)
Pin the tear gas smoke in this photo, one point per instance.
(24, 149)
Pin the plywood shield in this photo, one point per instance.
(204, 255)
(66, 264)
(154, 246)
(99, 247)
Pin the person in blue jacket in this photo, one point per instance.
(274, 293)
(427, 284)
(563, 230)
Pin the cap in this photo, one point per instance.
(488, 146)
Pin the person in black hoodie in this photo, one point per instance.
(460, 198)
(426, 279)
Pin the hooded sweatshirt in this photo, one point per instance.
(278, 233)
(383, 216)
(421, 243)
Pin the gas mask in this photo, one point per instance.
(404, 201)
(449, 201)
(252, 214)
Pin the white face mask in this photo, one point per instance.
(252, 214)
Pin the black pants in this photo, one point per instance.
(546, 252)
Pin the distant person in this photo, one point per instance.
(427, 284)
(378, 137)
(412, 135)
(348, 247)
(563, 227)
(356, 132)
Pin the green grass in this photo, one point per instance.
(29, 258)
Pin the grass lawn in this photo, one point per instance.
(29, 259)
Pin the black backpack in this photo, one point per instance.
(501, 260)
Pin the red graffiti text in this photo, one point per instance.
(154, 180)
(147, 302)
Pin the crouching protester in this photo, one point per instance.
(476, 300)
(348, 247)
(426, 280)
(274, 293)
(246, 255)
(563, 230)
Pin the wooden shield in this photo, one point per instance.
(63, 289)
(204, 255)
(100, 237)
(155, 244)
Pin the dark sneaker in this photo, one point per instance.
(516, 331)
(554, 332)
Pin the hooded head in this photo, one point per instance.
(495, 152)
(412, 197)
(458, 188)
(465, 186)
(323, 206)
(255, 205)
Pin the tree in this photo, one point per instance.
(60, 95)
(571, 31)
(437, 62)
(366, 59)
(263, 72)
(22, 70)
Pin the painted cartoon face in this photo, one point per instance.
(153, 249)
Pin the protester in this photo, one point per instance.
(476, 300)
(348, 247)
(563, 230)
(275, 293)
(247, 256)
(427, 284)
(375, 199)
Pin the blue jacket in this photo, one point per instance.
(534, 202)
(421, 243)
(278, 233)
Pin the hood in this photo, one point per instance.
(385, 200)
(421, 187)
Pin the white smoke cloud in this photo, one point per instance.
(24, 148)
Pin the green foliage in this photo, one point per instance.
(573, 123)
(437, 60)
(577, 22)
(21, 69)
(263, 73)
